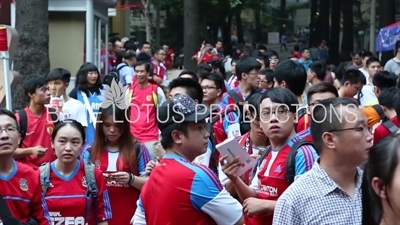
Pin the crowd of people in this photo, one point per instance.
(119, 150)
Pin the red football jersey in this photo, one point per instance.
(111, 162)
(23, 194)
(38, 133)
(67, 202)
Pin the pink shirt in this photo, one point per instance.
(143, 113)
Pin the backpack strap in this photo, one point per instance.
(222, 114)
(213, 158)
(264, 154)
(391, 126)
(92, 190)
(23, 124)
(291, 159)
(45, 177)
(235, 96)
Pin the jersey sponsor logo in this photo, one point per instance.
(57, 219)
(95, 106)
(23, 184)
(269, 190)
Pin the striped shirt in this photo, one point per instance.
(316, 199)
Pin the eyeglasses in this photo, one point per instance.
(208, 88)
(9, 130)
(280, 113)
(357, 129)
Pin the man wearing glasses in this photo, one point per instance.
(277, 116)
(330, 193)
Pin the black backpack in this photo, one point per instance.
(113, 75)
(290, 161)
(23, 121)
(379, 110)
(214, 156)
(244, 124)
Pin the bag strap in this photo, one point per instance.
(23, 124)
(4, 210)
(235, 96)
(264, 154)
(222, 114)
(45, 177)
(92, 190)
(379, 110)
(391, 126)
(89, 108)
(291, 159)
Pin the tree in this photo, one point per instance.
(348, 27)
(191, 38)
(147, 19)
(386, 17)
(335, 32)
(32, 56)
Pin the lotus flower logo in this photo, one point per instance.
(114, 95)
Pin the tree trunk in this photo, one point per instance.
(191, 32)
(257, 21)
(226, 35)
(32, 56)
(239, 26)
(385, 19)
(348, 27)
(158, 23)
(283, 18)
(335, 32)
(147, 19)
(313, 24)
(324, 8)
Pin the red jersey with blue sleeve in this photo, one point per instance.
(22, 193)
(67, 202)
(110, 162)
(181, 192)
(306, 135)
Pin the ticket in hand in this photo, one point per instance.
(233, 149)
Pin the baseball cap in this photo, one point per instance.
(180, 108)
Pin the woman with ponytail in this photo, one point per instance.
(381, 183)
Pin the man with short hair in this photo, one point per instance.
(388, 100)
(273, 177)
(35, 148)
(330, 193)
(368, 97)
(195, 196)
(352, 82)
(144, 97)
(305, 58)
(292, 75)
(20, 185)
(315, 94)
(382, 80)
(59, 79)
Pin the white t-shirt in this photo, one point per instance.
(366, 74)
(74, 109)
(368, 97)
